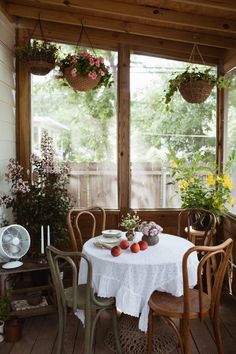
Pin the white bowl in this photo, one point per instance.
(111, 233)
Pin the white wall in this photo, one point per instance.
(7, 97)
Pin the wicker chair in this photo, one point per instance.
(78, 297)
(201, 217)
(195, 303)
(82, 224)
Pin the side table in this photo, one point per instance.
(29, 269)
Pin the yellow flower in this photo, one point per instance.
(183, 185)
(227, 182)
(192, 180)
(210, 179)
(174, 163)
(231, 201)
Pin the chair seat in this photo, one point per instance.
(81, 298)
(168, 305)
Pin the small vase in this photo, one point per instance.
(151, 240)
(130, 234)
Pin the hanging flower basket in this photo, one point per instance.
(39, 55)
(84, 71)
(41, 64)
(196, 91)
(80, 83)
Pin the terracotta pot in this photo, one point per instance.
(12, 330)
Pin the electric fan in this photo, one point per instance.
(14, 244)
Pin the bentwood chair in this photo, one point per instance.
(83, 224)
(196, 303)
(199, 225)
(78, 297)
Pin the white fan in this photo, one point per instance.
(14, 244)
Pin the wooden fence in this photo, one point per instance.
(96, 184)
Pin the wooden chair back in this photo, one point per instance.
(83, 224)
(209, 280)
(190, 219)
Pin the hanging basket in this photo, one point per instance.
(196, 91)
(41, 65)
(80, 83)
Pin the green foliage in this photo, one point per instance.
(130, 221)
(41, 199)
(201, 184)
(193, 74)
(27, 49)
(5, 306)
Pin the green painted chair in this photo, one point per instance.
(78, 297)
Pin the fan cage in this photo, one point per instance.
(7, 255)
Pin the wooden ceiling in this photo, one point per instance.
(162, 27)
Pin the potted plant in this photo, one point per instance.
(150, 232)
(130, 222)
(194, 84)
(40, 55)
(202, 185)
(41, 198)
(84, 71)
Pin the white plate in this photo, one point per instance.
(111, 233)
(108, 240)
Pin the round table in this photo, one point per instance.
(132, 277)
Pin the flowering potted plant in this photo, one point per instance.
(150, 232)
(130, 222)
(84, 71)
(41, 198)
(40, 55)
(202, 185)
(195, 85)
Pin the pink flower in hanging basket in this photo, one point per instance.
(85, 65)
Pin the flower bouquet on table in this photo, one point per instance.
(150, 232)
(84, 71)
(130, 222)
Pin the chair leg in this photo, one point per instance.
(61, 329)
(150, 332)
(87, 338)
(116, 330)
(217, 333)
(186, 336)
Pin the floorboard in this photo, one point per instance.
(39, 334)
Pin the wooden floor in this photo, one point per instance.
(39, 335)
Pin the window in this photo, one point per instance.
(83, 126)
(155, 132)
(230, 130)
(84, 129)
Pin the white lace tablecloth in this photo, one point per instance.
(132, 277)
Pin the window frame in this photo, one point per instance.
(23, 109)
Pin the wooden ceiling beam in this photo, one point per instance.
(122, 26)
(226, 5)
(111, 40)
(155, 15)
